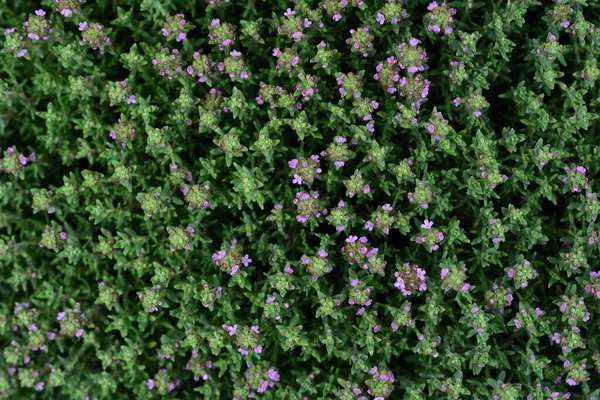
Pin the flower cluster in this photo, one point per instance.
(305, 170)
(229, 258)
(93, 35)
(410, 279)
(308, 206)
(175, 27)
(440, 18)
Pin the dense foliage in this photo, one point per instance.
(337, 199)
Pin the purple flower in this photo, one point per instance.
(82, 25)
(22, 159)
(427, 224)
(60, 315)
(40, 13)
(380, 18)
(66, 12)
(150, 384)
(297, 35)
(230, 329)
(273, 375)
(246, 260)
(79, 333)
(444, 273)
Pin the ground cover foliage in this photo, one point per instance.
(343, 199)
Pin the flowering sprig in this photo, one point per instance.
(167, 62)
(575, 178)
(381, 384)
(175, 27)
(340, 217)
(120, 92)
(381, 220)
(350, 84)
(338, 152)
(392, 12)
(499, 298)
(180, 237)
(357, 185)
(359, 293)
(123, 132)
(201, 67)
(411, 56)
(94, 36)
(440, 18)
(521, 273)
(222, 34)
(573, 310)
(151, 202)
(361, 40)
(66, 8)
(410, 279)
(305, 170)
(229, 258)
(454, 276)
(308, 206)
(197, 196)
(72, 321)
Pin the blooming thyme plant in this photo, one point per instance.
(342, 199)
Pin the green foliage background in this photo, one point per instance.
(115, 263)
